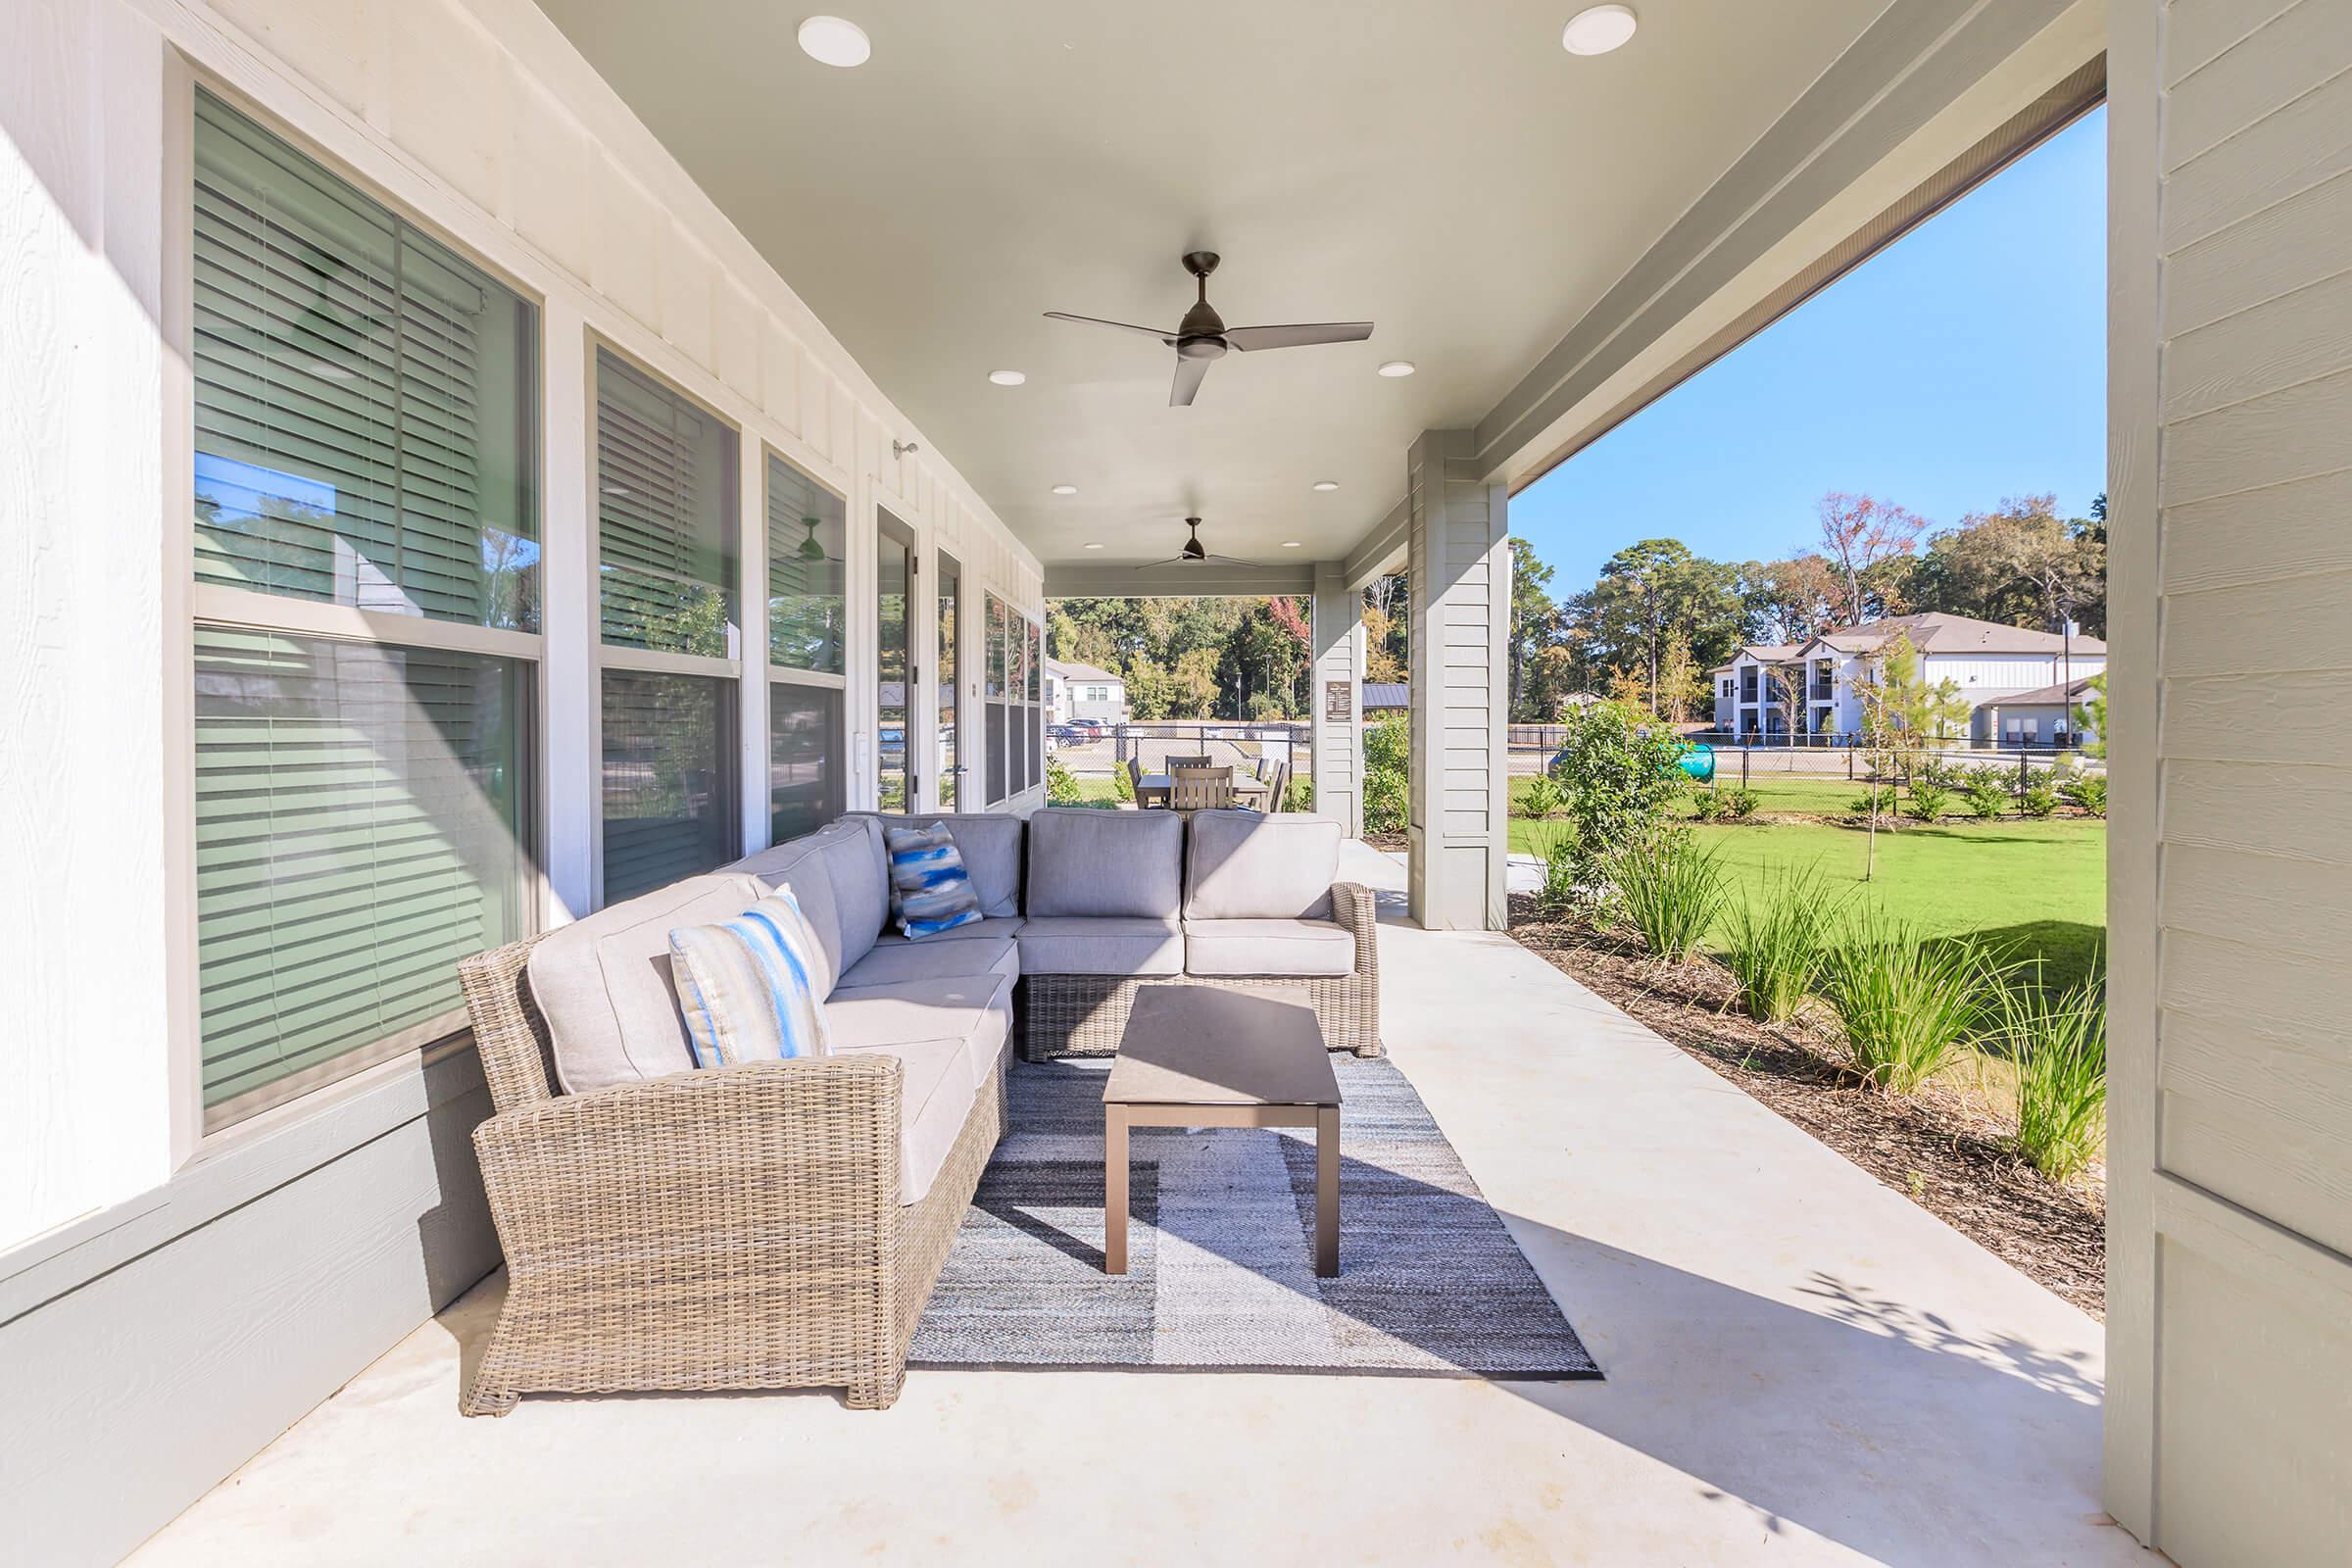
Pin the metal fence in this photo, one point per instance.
(1254, 747)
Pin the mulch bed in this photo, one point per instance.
(1934, 1147)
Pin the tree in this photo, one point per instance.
(1386, 634)
(1619, 770)
(2091, 718)
(2019, 565)
(1531, 616)
(1902, 716)
(1649, 595)
(1862, 537)
(1788, 600)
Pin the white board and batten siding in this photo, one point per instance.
(2229, 1398)
(161, 1320)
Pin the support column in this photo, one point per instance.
(1459, 589)
(1339, 632)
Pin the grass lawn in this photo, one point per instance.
(2040, 887)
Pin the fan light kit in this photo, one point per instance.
(1327, 484)
(1091, 545)
(831, 41)
(1599, 30)
(1396, 367)
(1065, 489)
(1202, 337)
(1007, 378)
(810, 549)
(1290, 544)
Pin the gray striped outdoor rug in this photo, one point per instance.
(1221, 1271)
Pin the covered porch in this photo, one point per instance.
(1796, 1360)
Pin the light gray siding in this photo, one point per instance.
(2231, 1159)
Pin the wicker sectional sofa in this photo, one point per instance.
(780, 1224)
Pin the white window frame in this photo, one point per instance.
(758, 802)
(195, 1128)
(604, 656)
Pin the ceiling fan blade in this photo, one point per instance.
(1124, 326)
(1189, 373)
(1304, 334)
(1229, 561)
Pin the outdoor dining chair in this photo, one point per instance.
(1201, 789)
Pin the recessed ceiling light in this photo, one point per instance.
(1091, 544)
(1290, 544)
(1598, 30)
(1396, 367)
(1327, 484)
(831, 41)
(1065, 489)
(1007, 378)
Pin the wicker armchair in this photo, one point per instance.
(735, 1228)
(1084, 1014)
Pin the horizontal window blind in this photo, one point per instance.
(360, 827)
(996, 692)
(807, 531)
(669, 779)
(804, 752)
(365, 400)
(665, 516)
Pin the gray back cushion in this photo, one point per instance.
(604, 981)
(1088, 863)
(799, 865)
(859, 871)
(991, 849)
(1244, 865)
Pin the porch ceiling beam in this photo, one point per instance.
(1115, 580)
(1926, 85)
(1383, 549)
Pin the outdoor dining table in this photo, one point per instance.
(1152, 789)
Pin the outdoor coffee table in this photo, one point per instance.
(1207, 1056)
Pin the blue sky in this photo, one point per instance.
(1963, 363)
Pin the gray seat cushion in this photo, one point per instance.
(948, 1007)
(1086, 862)
(935, 1100)
(1113, 944)
(990, 847)
(922, 1023)
(604, 982)
(992, 928)
(1246, 865)
(891, 961)
(1267, 947)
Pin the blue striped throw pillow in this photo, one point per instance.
(745, 985)
(927, 882)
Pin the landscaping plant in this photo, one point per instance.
(1120, 784)
(1619, 771)
(1878, 801)
(1735, 802)
(1555, 844)
(1062, 785)
(1908, 1001)
(2090, 792)
(1988, 792)
(2059, 1045)
(2039, 796)
(1671, 891)
(1300, 796)
(1541, 798)
(1928, 801)
(1780, 941)
(1386, 792)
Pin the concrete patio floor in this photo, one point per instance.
(1801, 1366)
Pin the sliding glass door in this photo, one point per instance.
(951, 740)
(895, 667)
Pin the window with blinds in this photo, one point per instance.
(366, 425)
(997, 692)
(360, 827)
(807, 531)
(804, 759)
(1014, 702)
(668, 778)
(666, 516)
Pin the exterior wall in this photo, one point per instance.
(2230, 1167)
(167, 1304)
(1461, 564)
(1339, 740)
(1111, 711)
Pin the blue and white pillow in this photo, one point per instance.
(929, 892)
(746, 986)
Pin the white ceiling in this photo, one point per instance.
(1443, 167)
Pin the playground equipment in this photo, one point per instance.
(1699, 762)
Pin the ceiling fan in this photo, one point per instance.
(1195, 554)
(1203, 337)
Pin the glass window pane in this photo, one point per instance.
(365, 399)
(808, 527)
(669, 779)
(804, 759)
(951, 589)
(892, 692)
(666, 516)
(361, 827)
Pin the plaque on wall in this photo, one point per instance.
(1338, 701)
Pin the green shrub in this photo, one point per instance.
(1386, 750)
(2090, 792)
(1780, 941)
(1120, 784)
(1928, 801)
(1987, 792)
(1883, 793)
(1555, 844)
(1062, 785)
(1298, 796)
(1909, 1002)
(1541, 798)
(1943, 774)
(1619, 771)
(1671, 892)
(1724, 804)
(2060, 1046)
(2039, 796)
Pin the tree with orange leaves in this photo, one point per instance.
(1860, 536)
